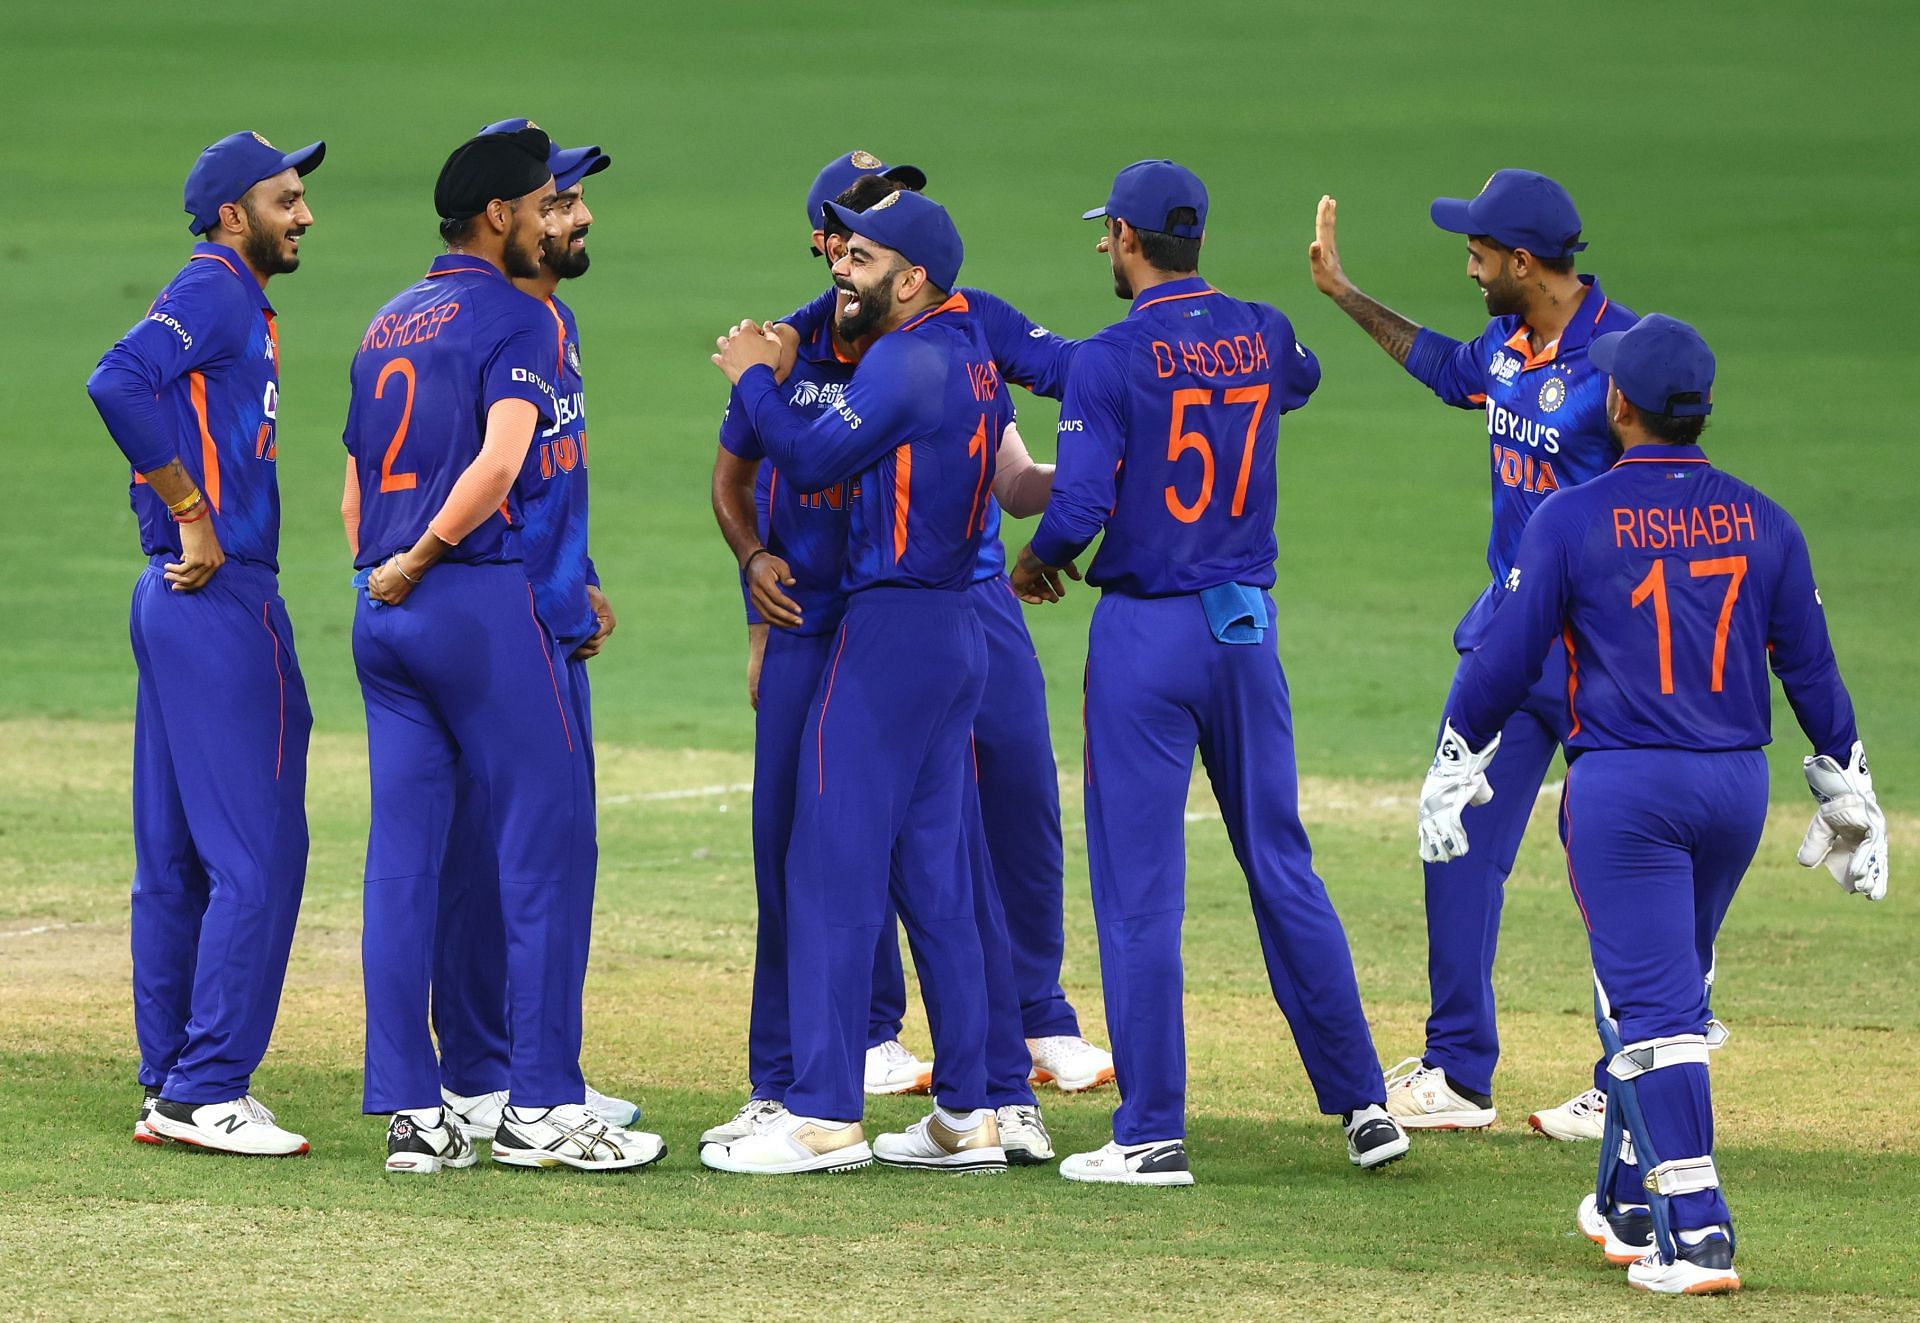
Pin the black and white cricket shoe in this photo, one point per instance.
(1624, 1234)
(240, 1126)
(1374, 1137)
(143, 1133)
(571, 1136)
(1702, 1265)
(1023, 1134)
(424, 1149)
(1163, 1162)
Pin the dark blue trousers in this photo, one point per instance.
(470, 938)
(1158, 687)
(883, 769)
(461, 680)
(1464, 897)
(1657, 841)
(219, 826)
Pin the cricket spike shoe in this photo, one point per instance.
(756, 1111)
(1421, 1097)
(240, 1126)
(893, 1069)
(1702, 1265)
(144, 1133)
(1374, 1138)
(571, 1136)
(1163, 1162)
(783, 1144)
(1583, 1116)
(478, 1115)
(1625, 1235)
(1070, 1063)
(944, 1141)
(1024, 1135)
(415, 1146)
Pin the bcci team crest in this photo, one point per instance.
(1553, 394)
(573, 357)
(262, 141)
(886, 202)
(865, 160)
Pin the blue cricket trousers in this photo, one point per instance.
(460, 680)
(1464, 897)
(883, 769)
(219, 825)
(1158, 687)
(470, 938)
(1657, 841)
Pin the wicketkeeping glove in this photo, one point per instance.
(1457, 778)
(1849, 832)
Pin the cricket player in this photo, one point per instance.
(884, 757)
(1544, 402)
(1674, 587)
(452, 380)
(1019, 780)
(469, 970)
(191, 395)
(1168, 441)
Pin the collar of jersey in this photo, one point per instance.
(956, 302)
(226, 257)
(1190, 288)
(448, 263)
(1579, 332)
(1663, 455)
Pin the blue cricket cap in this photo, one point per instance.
(1519, 208)
(568, 165)
(839, 174)
(225, 171)
(1660, 364)
(913, 225)
(1146, 194)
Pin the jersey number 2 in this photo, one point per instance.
(1180, 441)
(389, 480)
(1734, 569)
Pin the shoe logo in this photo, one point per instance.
(1167, 1157)
(231, 1124)
(824, 1139)
(403, 1129)
(984, 1135)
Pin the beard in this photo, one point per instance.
(1121, 289)
(521, 262)
(1503, 296)
(868, 312)
(562, 258)
(265, 251)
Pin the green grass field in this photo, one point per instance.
(1745, 167)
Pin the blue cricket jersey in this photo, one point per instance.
(919, 425)
(1169, 439)
(198, 379)
(1027, 354)
(1674, 587)
(554, 482)
(432, 362)
(1546, 417)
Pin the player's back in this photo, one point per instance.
(1680, 580)
(422, 378)
(1202, 379)
(921, 512)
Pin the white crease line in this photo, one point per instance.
(691, 792)
(43, 928)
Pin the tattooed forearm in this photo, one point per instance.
(1389, 329)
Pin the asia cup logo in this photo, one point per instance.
(1553, 394)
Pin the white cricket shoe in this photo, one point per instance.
(784, 1144)
(571, 1136)
(1624, 1236)
(936, 1143)
(1161, 1163)
(413, 1146)
(1374, 1137)
(1583, 1116)
(1024, 1135)
(744, 1121)
(1420, 1098)
(240, 1126)
(893, 1069)
(1070, 1064)
(1702, 1265)
(477, 1116)
(614, 1111)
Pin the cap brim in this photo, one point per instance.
(304, 161)
(1603, 351)
(1096, 214)
(573, 164)
(907, 176)
(1453, 215)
